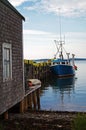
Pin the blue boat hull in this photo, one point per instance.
(62, 70)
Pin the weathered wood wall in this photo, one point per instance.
(11, 91)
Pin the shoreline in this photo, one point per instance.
(43, 120)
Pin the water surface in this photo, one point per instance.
(65, 94)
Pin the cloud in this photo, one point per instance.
(19, 2)
(70, 37)
(68, 8)
(43, 46)
(36, 32)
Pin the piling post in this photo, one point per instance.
(38, 98)
(22, 106)
(34, 99)
(26, 103)
(6, 115)
(30, 100)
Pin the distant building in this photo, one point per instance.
(11, 56)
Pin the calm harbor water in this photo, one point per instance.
(66, 94)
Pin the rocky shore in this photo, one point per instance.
(38, 120)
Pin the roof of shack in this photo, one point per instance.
(7, 3)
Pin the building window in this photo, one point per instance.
(7, 61)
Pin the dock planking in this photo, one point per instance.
(32, 89)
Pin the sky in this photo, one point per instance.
(45, 20)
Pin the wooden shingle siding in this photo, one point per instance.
(11, 91)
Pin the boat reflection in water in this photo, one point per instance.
(58, 94)
(63, 83)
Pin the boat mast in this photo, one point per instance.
(60, 25)
(60, 42)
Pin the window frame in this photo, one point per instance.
(9, 47)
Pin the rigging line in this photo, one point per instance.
(64, 50)
(58, 51)
(56, 44)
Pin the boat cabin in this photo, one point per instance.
(59, 61)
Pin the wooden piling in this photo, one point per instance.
(30, 100)
(38, 98)
(26, 103)
(36, 70)
(34, 99)
(22, 108)
(6, 115)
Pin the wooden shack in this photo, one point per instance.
(12, 88)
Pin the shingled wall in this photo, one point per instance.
(12, 91)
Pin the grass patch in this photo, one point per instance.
(79, 123)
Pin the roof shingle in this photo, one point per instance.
(7, 3)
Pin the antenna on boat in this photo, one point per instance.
(60, 41)
(60, 23)
(60, 27)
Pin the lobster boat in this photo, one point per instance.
(61, 65)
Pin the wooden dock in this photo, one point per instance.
(31, 99)
(36, 70)
(32, 70)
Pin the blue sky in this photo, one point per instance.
(41, 26)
